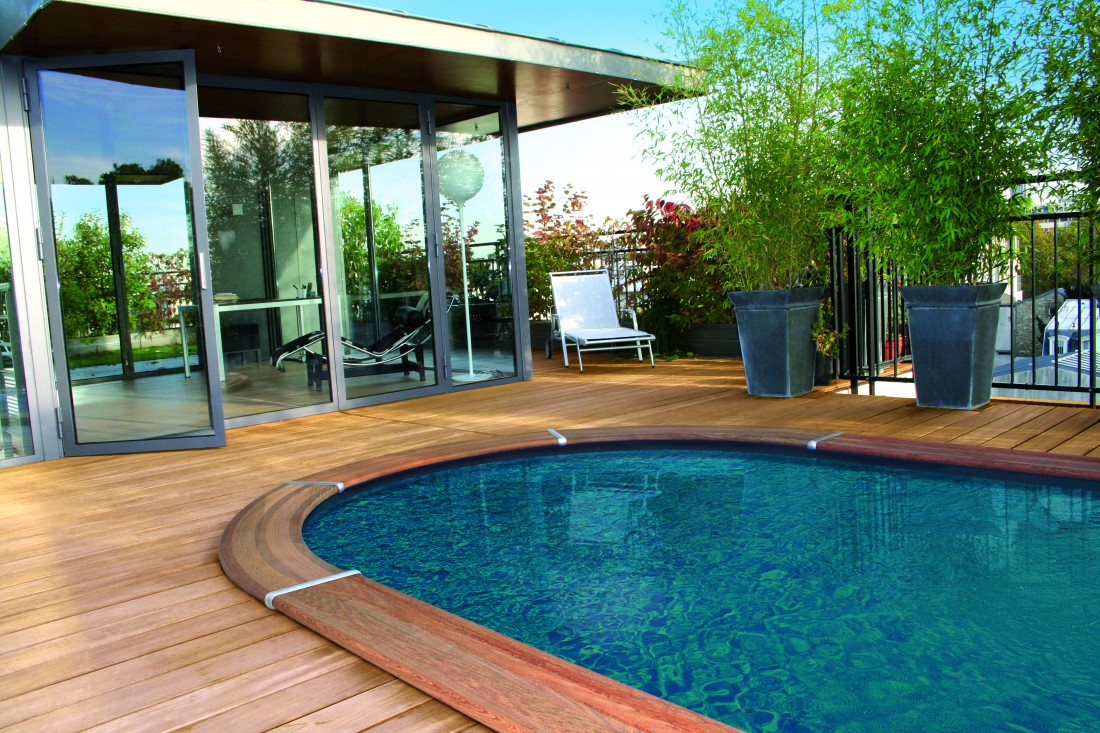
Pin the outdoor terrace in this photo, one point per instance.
(115, 614)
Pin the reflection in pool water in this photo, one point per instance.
(769, 592)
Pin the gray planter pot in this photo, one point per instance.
(714, 339)
(953, 336)
(823, 369)
(775, 328)
(540, 333)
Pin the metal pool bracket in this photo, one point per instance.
(812, 445)
(269, 599)
(338, 484)
(559, 436)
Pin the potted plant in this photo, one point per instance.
(827, 342)
(938, 123)
(750, 145)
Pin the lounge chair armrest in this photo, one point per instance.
(555, 325)
(633, 317)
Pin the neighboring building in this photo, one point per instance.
(1071, 327)
(225, 213)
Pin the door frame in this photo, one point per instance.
(197, 203)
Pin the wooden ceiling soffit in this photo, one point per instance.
(328, 43)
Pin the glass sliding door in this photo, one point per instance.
(257, 153)
(114, 161)
(375, 171)
(474, 214)
(15, 431)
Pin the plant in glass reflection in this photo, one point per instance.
(88, 303)
(170, 282)
(244, 163)
(388, 241)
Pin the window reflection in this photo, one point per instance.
(258, 175)
(473, 210)
(117, 153)
(376, 183)
(15, 431)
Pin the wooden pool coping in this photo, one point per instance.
(502, 683)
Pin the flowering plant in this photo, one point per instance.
(826, 337)
(682, 284)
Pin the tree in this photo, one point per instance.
(751, 143)
(87, 280)
(1072, 94)
(941, 116)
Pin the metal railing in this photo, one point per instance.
(1049, 315)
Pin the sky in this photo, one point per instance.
(601, 157)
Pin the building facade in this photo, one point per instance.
(230, 213)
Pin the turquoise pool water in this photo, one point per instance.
(770, 592)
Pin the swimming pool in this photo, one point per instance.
(785, 591)
(769, 592)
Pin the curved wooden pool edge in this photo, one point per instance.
(504, 684)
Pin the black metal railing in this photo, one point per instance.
(1049, 321)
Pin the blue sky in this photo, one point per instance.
(600, 156)
(633, 27)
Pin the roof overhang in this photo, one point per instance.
(329, 43)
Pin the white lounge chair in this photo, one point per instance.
(585, 316)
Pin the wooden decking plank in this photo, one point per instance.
(27, 632)
(139, 705)
(74, 635)
(368, 708)
(1046, 420)
(16, 708)
(1073, 421)
(39, 583)
(431, 717)
(86, 659)
(989, 430)
(87, 598)
(283, 706)
(1083, 444)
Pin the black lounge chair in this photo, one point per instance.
(400, 350)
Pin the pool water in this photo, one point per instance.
(773, 593)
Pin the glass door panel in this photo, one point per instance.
(473, 211)
(16, 440)
(376, 184)
(257, 153)
(127, 313)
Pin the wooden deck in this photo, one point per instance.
(115, 615)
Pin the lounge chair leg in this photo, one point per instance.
(580, 362)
